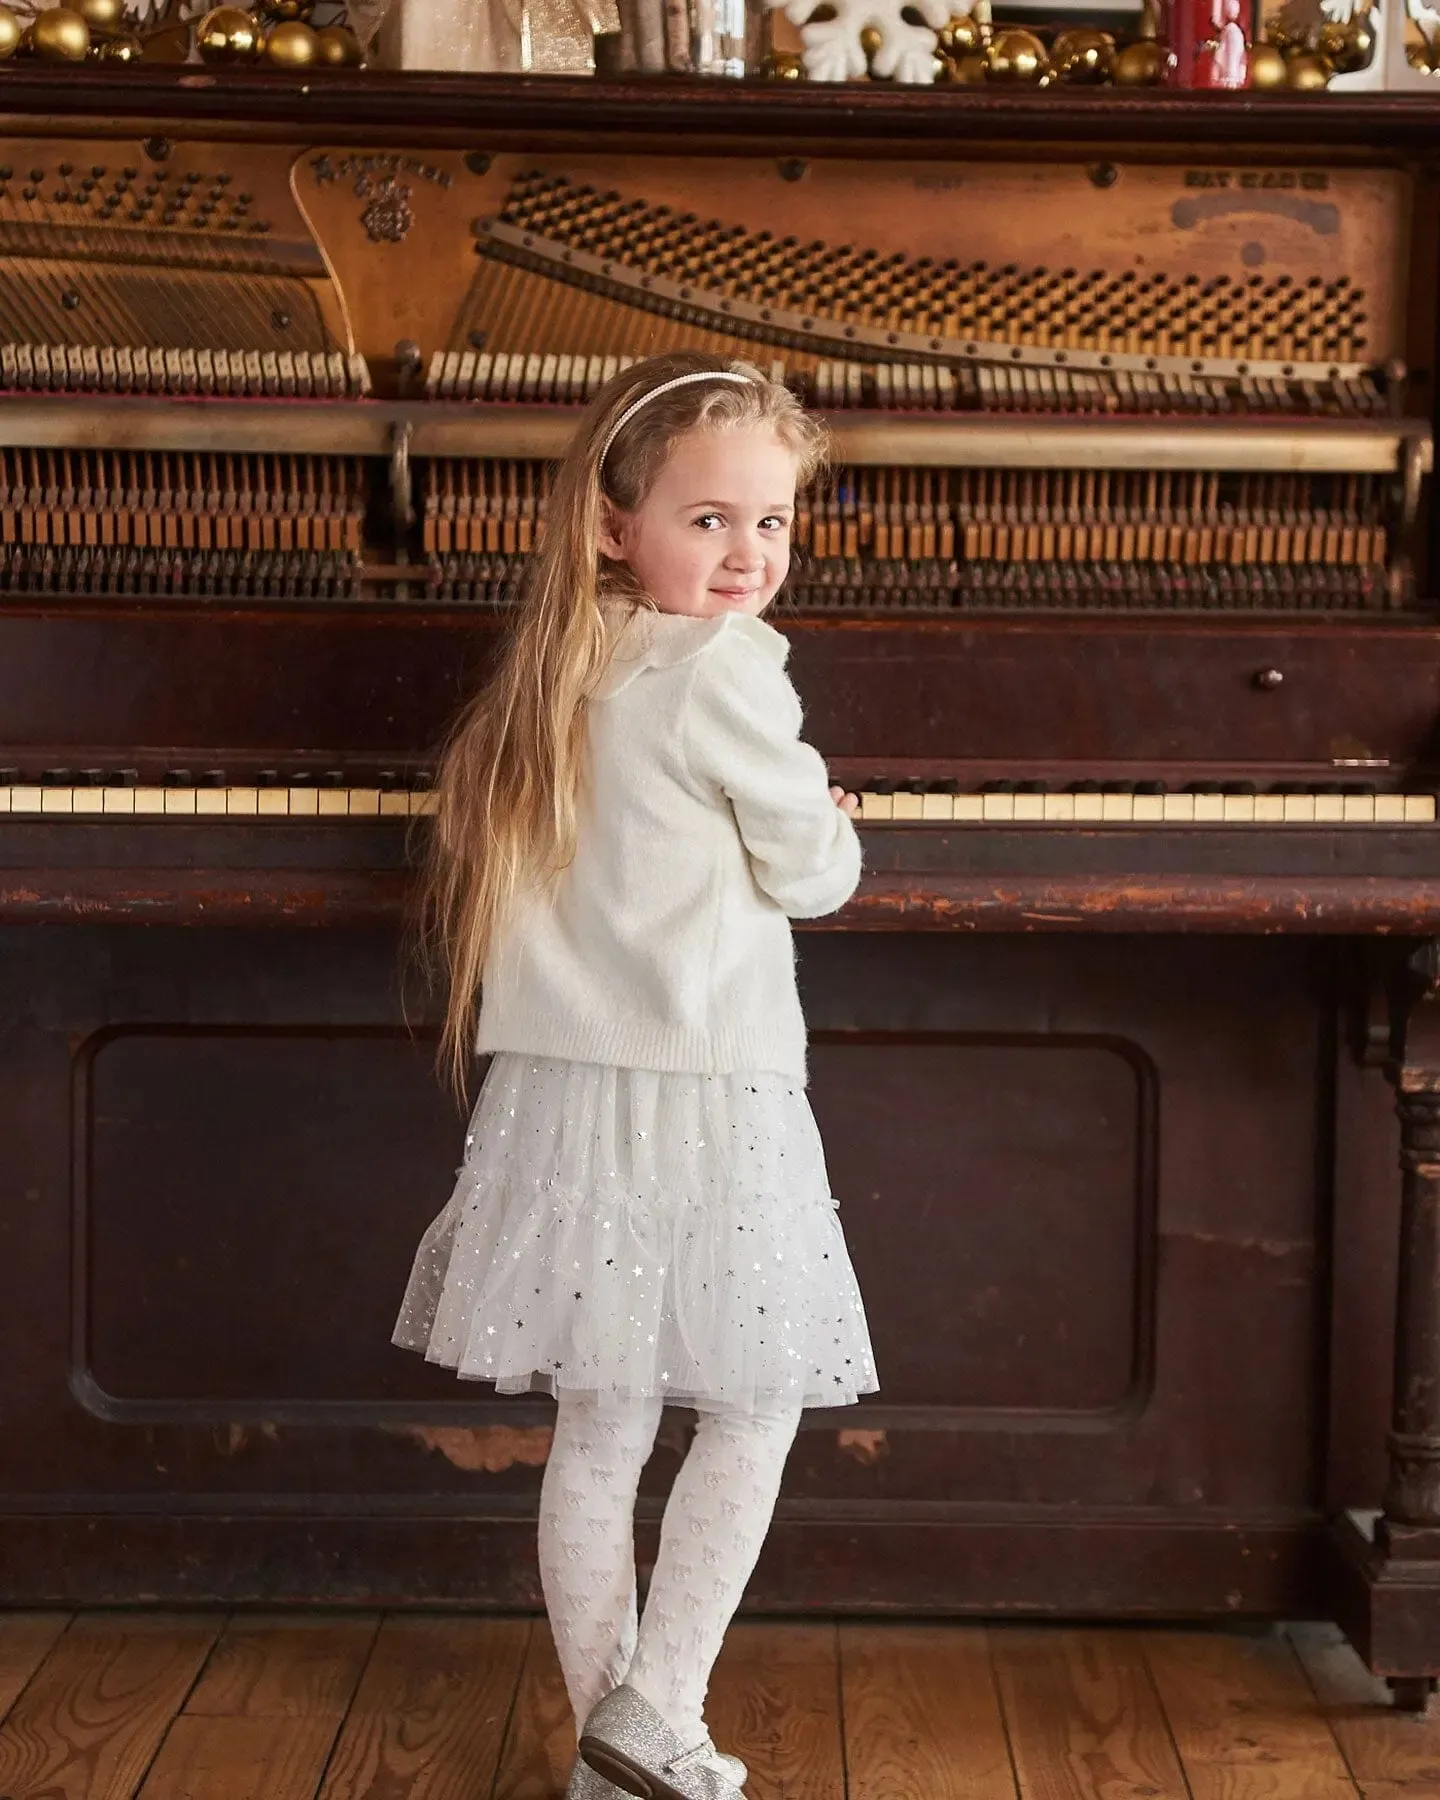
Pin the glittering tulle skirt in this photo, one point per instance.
(632, 1232)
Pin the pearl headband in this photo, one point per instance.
(664, 388)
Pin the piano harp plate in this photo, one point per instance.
(541, 434)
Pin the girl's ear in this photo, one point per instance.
(608, 533)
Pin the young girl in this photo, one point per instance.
(628, 822)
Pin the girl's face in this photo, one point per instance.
(713, 533)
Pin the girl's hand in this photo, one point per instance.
(849, 804)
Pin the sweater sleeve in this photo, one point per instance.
(742, 736)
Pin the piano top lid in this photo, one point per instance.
(483, 110)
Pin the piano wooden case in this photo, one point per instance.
(1119, 607)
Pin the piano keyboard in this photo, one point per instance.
(1135, 804)
(913, 803)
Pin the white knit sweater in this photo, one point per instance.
(706, 825)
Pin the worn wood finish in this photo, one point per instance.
(432, 107)
(88, 1723)
(847, 1712)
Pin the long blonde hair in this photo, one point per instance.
(509, 777)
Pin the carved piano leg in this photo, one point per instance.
(1388, 1580)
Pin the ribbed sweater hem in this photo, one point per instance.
(638, 1044)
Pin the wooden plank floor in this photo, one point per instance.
(162, 1706)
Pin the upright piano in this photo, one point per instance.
(1119, 609)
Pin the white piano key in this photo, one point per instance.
(1149, 809)
(1329, 809)
(876, 806)
(424, 805)
(302, 802)
(242, 802)
(1209, 809)
(5, 795)
(87, 800)
(1390, 809)
(1089, 808)
(119, 801)
(1117, 809)
(149, 800)
(56, 799)
(997, 808)
(272, 803)
(1269, 809)
(1359, 809)
(332, 803)
(1299, 809)
(364, 803)
(908, 806)
(394, 804)
(1419, 809)
(969, 808)
(1177, 809)
(937, 807)
(1058, 808)
(1239, 809)
(210, 802)
(1029, 808)
(180, 800)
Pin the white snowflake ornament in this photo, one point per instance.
(833, 51)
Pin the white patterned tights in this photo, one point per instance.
(715, 1522)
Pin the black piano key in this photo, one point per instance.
(212, 778)
(268, 778)
(9, 777)
(1083, 787)
(179, 778)
(1151, 787)
(333, 778)
(1032, 787)
(90, 778)
(58, 777)
(123, 778)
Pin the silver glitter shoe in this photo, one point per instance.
(628, 1742)
(585, 1784)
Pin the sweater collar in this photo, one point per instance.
(644, 638)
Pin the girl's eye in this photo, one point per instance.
(708, 521)
(774, 522)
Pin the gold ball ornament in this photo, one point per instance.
(1347, 47)
(957, 38)
(59, 34)
(9, 33)
(339, 47)
(779, 65)
(1016, 57)
(1083, 57)
(103, 16)
(1418, 57)
(1268, 68)
(228, 35)
(971, 70)
(292, 45)
(871, 38)
(281, 12)
(123, 48)
(1138, 64)
(1308, 73)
